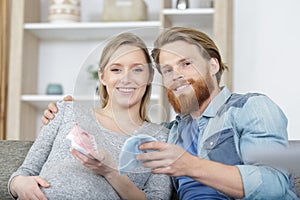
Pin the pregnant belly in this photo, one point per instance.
(76, 183)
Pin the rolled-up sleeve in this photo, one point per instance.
(262, 127)
(261, 182)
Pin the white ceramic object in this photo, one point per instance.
(124, 10)
(64, 11)
(201, 3)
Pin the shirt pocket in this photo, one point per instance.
(221, 147)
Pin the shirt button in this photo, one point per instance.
(211, 143)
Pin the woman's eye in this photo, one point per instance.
(138, 69)
(115, 70)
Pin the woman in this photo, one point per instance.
(50, 171)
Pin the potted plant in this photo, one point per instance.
(94, 75)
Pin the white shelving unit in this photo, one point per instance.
(43, 52)
(42, 101)
(80, 32)
(86, 31)
(188, 12)
(196, 17)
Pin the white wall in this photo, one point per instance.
(267, 52)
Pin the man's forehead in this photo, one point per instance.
(179, 48)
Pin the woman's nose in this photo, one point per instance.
(126, 77)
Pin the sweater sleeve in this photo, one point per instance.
(41, 148)
(158, 186)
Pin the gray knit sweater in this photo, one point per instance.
(50, 158)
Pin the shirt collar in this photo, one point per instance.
(217, 102)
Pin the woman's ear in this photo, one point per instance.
(101, 77)
(214, 66)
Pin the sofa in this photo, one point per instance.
(13, 152)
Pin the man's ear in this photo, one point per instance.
(214, 66)
(101, 77)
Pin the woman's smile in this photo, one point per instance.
(126, 90)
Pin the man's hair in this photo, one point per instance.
(107, 53)
(206, 45)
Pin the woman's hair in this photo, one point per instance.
(109, 50)
(207, 47)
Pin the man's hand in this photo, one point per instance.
(49, 113)
(166, 158)
(28, 187)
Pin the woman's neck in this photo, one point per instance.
(120, 119)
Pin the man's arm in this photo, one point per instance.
(172, 160)
(52, 108)
(262, 130)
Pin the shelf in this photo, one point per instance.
(90, 31)
(41, 101)
(189, 11)
(193, 15)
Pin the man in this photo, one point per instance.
(212, 143)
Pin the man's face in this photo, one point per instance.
(186, 76)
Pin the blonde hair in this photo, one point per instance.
(109, 50)
(207, 47)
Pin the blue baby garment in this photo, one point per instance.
(130, 149)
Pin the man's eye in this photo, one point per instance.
(186, 64)
(167, 71)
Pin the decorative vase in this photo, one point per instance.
(54, 89)
(182, 4)
(64, 11)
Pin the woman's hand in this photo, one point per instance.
(28, 187)
(102, 164)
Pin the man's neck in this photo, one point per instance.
(196, 114)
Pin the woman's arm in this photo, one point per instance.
(25, 181)
(104, 165)
(124, 186)
(156, 187)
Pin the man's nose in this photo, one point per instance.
(177, 75)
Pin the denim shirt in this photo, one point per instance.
(237, 126)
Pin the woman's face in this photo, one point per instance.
(126, 76)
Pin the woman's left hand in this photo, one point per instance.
(100, 162)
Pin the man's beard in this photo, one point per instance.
(191, 102)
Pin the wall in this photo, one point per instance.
(266, 53)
